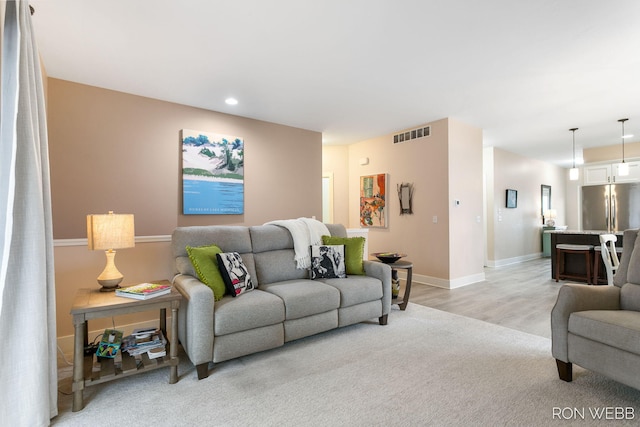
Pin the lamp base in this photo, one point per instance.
(109, 285)
(110, 277)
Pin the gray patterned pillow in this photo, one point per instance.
(327, 262)
(234, 273)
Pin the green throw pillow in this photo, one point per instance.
(205, 263)
(353, 252)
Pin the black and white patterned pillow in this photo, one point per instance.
(327, 262)
(236, 277)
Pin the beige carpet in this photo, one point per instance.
(426, 367)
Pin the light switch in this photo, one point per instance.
(435, 219)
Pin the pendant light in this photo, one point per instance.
(623, 168)
(574, 172)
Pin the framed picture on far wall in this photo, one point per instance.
(512, 199)
(373, 200)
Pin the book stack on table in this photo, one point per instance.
(149, 341)
(144, 290)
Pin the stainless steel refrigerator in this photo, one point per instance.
(611, 207)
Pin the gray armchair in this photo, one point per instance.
(598, 327)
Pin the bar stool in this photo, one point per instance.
(606, 254)
(563, 249)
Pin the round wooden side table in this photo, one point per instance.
(404, 265)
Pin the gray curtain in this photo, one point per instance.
(28, 370)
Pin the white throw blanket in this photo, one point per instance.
(305, 232)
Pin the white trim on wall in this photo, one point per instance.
(139, 239)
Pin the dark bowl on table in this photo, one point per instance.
(388, 257)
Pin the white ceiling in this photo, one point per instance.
(524, 71)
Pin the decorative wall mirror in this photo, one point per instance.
(405, 194)
(545, 199)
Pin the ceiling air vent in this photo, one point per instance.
(412, 134)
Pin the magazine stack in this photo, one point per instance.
(145, 340)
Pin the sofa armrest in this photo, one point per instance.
(195, 329)
(572, 298)
(383, 272)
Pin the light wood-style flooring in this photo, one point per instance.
(518, 296)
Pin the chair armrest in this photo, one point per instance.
(383, 273)
(573, 298)
(195, 328)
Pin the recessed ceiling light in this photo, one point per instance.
(231, 101)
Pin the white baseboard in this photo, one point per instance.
(515, 260)
(443, 283)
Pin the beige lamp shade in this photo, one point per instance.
(109, 232)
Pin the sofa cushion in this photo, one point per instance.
(628, 243)
(633, 270)
(616, 328)
(304, 297)
(327, 262)
(205, 263)
(337, 230)
(356, 289)
(354, 252)
(254, 310)
(278, 265)
(229, 238)
(270, 238)
(630, 297)
(234, 273)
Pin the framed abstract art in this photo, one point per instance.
(373, 200)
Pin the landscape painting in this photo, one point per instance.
(212, 173)
(373, 195)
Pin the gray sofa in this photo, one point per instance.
(598, 327)
(285, 305)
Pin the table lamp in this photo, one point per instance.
(550, 216)
(109, 232)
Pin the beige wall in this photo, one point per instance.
(514, 235)
(76, 267)
(428, 164)
(466, 251)
(114, 151)
(120, 152)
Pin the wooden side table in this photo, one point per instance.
(92, 304)
(405, 265)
